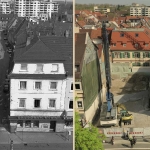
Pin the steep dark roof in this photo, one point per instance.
(6, 17)
(62, 46)
(37, 52)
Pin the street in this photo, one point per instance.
(122, 144)
(38, 141)
(33, 146)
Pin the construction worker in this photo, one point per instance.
(134, 140)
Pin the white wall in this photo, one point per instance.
(47, 68)
(30, 94)
(69, 93)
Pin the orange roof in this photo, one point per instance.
(129, 39)
(81, 23)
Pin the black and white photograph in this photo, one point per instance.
(36, 75)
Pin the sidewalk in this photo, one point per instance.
(145, 140)
(28, 137)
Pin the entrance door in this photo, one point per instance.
(52, 125)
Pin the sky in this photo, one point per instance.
(121, 2)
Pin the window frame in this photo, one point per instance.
(79, 84)
(24, 102)
(24, 70)
(71, 100)
(54, 99)
(50, 86)
(34, 122)
(28, 121)
(37, 99)
(71, 86)
(78, 105)
(20, 85)
(35, 84)
(39, 71)
(57, 68)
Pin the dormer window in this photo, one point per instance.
(124, 44)
(136, 34)
(146, 44)
(54, 67)
(23, 67)
(121, 34)
(114, 44)
(136, 45)
(39, 68)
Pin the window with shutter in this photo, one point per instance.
(121, 55)
(133, 55)
(128, 55)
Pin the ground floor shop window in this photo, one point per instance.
(69, 123)
(36, 124)
(20, 123)
(28, 124)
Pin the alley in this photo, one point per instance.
(4, 65)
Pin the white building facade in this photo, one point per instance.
(5, 8)
(37, 97)
(32, 8)
(140, 11)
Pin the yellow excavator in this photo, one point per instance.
(124, 115)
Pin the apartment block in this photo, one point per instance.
(105, 10)
(140, 11)
(5, 8)
(33, 8)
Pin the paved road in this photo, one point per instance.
(141, 146)
(33, 146)
(121, 144)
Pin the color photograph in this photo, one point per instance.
(112, 75)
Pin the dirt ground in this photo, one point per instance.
(131, 84)
(140, 107)
(140, 111)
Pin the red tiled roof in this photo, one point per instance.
(81, 23)
(129, 39)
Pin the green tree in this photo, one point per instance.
(87, 138)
